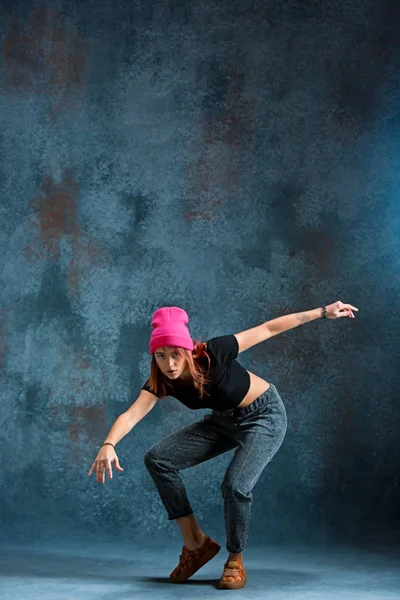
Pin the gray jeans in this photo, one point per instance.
(256, 431)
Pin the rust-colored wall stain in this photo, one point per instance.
(85, 254)
(56, 217)
(56, 208)
(41, 57)
(87, 424)
(207, 176)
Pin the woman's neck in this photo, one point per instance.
(186, 377)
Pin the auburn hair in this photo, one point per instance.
(160, 385)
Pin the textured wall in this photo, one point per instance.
(238, 159)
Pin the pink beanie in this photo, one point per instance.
(170, 329)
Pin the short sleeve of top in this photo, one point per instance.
(225, 348)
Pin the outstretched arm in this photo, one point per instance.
(281, 324)
(250, 337)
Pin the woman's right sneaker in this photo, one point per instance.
(191, 561)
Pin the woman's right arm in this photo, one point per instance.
(121, 427)
(135, 413)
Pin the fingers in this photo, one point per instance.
(101, 468)
(101, 471)
(100, 474)
(349, 308)
(117, 465)
(341, 305)
(103, 465)
(346, 310)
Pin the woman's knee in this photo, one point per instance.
(231, 487)
(150, 457)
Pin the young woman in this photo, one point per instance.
(247, 414)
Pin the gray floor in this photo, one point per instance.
(115, 570)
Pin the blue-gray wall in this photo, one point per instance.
(237, 159)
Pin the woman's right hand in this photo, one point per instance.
(103, 461)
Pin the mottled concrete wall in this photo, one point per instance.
(238, 159)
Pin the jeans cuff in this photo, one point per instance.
(180, 516)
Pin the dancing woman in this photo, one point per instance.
(247, 414)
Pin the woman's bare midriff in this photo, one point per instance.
(257, 387)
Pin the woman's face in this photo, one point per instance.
(170, 362)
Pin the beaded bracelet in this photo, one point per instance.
(324, 312)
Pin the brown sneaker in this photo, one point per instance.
(234, 576)
(191, 561)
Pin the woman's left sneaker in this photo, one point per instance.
(234, 576)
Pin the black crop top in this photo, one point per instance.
(229, 381)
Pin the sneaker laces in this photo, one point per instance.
(185, 557)
(232, 571)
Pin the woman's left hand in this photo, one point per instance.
(338, 309)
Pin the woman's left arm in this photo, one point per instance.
(333, 311)
(250, 337)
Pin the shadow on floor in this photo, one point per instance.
(116, 570)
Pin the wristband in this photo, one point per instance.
(107, 444)
(324, 312)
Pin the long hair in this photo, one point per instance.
(160, 385)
